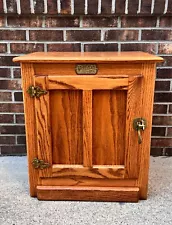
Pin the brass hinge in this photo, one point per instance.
(40, 164)
(35, 91)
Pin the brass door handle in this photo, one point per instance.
(138, 125)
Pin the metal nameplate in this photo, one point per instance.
(82, 69)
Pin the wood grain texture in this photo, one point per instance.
(50, 57)
(83, 126)
(43, 127)
(80, 181)
(109, 110)
(131, 138)
(31, 139)
(67, 128)
(126, 194)
(103, 172)
(42, 69)
(146, 107)
(87, 128)
(116, 68)
(87, 82)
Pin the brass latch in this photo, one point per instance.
(138, 125)
(35, 91)
(40, 164)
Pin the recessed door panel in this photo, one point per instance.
(66, 126)
(109, 116)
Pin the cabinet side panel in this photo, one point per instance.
(146, 104)
(109, 112)
(29, 109)
(66, 125)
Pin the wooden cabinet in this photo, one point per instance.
(88, 124)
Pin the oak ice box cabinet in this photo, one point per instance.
(88, 123)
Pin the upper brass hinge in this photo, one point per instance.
(35, 91)
(40, 164)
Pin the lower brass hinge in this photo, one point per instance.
(35, 91)
(40, 164)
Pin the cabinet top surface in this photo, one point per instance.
(64, 57)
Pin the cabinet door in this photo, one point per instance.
(85, 126)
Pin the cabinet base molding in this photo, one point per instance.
(118, 194)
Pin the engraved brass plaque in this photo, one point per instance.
(90, 69)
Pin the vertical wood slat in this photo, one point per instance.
(146, 107)
(31, 140)
(42, 111)
(87, 128)
(131, 140)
